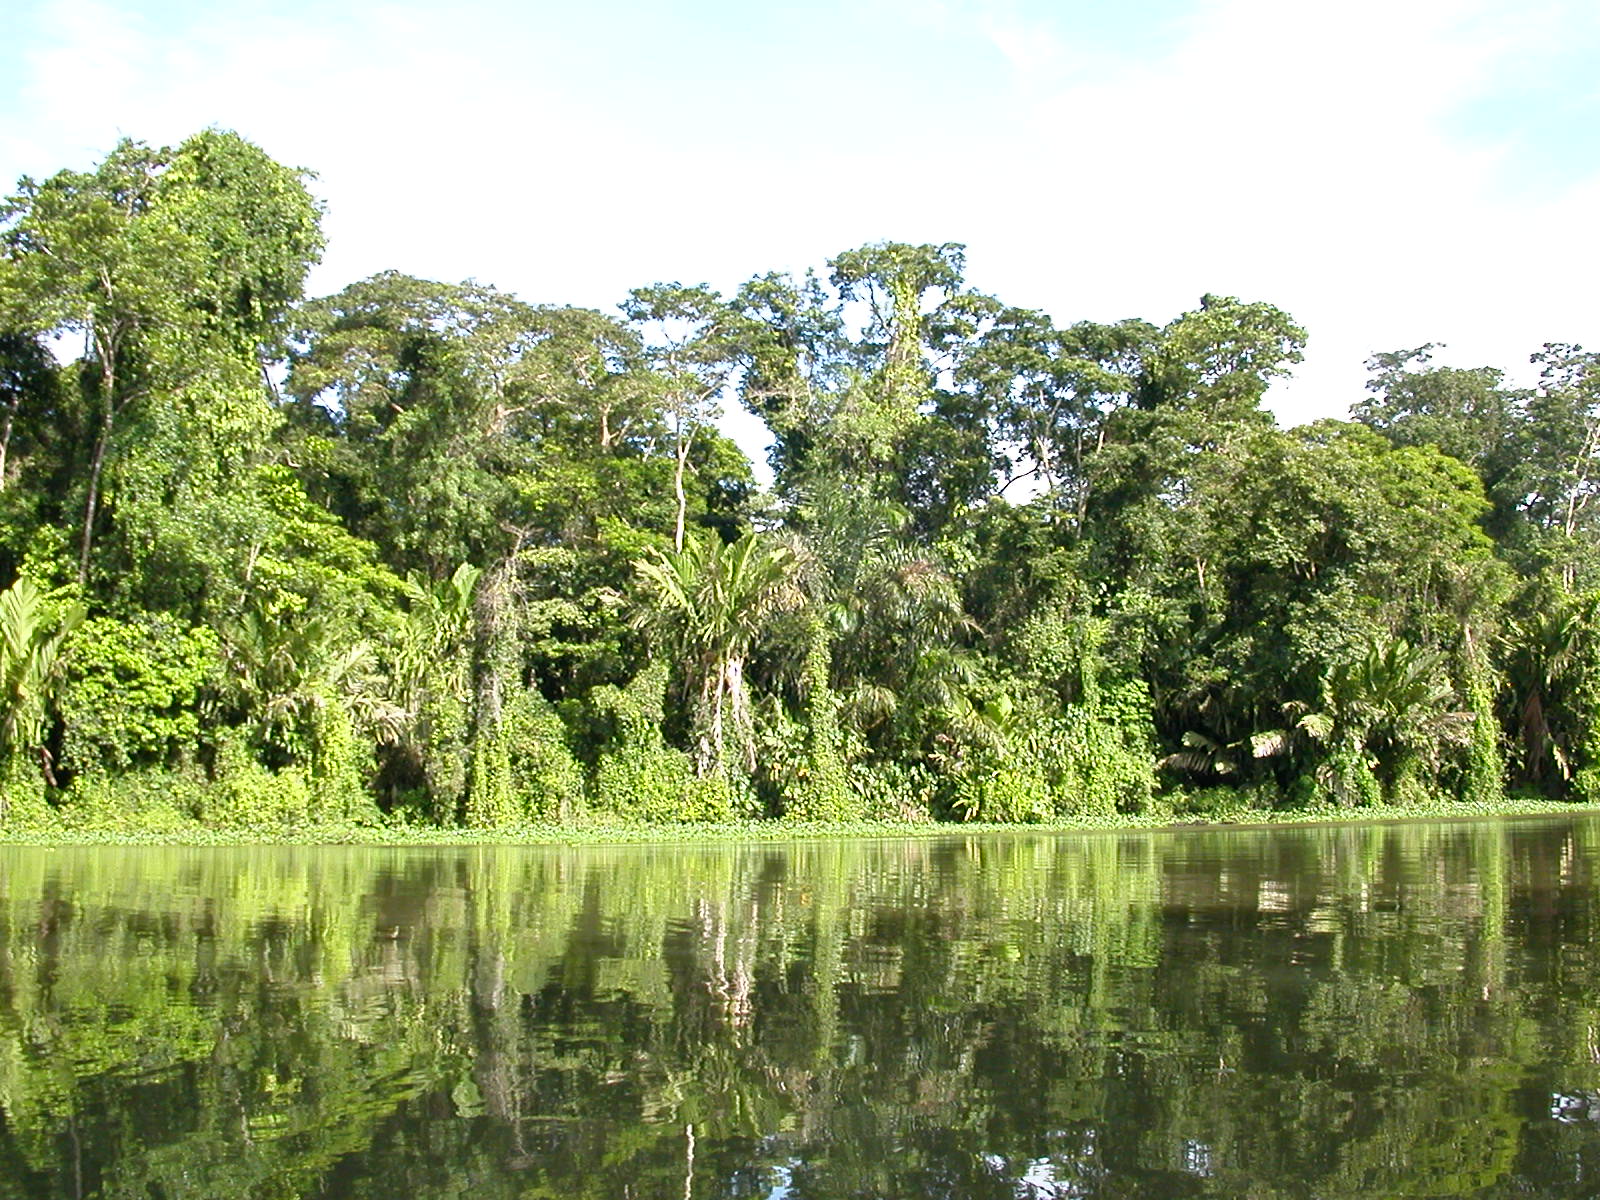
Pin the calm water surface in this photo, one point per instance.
(1408, 1010)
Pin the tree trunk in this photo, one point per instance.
(1535, 735)
(677, 486)
(5, 436)
(91, 503)
(737, 702)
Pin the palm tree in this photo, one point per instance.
(31, 638)
(431, 683)
(1549, 647)
(903, 661)
(1221, 744)
(713, 601)
(889, 622)
(286, 671)
(1387, 715)
(436, 626)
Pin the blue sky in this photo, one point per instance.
(1390, 171)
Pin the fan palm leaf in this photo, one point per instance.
(712, 602)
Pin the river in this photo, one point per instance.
(1344, 1011)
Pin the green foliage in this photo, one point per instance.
(140, 800)
(1214, 364)
(1550, 658)
(32, 635)
(1483, 776)
(1008, 570)
(244, 793)
(131, 697)
(522, 769)
(1088, 734)
(657, 784)
(998, 783)
(339, 766)
(638, 775)
(710, 603)
(306, 690)
(1387, 721)
(22, 796)
(176, 269)
(808, 762)
(896, 791)
(1104, 759)
(255, 226)
(424, 765)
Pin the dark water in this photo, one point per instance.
(1388, 1011)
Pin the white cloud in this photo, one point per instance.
(1030, 46)
(1300, 154)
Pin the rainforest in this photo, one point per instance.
(423, 554)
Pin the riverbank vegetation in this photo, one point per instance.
(430, 554)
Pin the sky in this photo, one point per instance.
(1390, 172)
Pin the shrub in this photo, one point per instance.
(657, 784)
(22, 801)
(245, 793)
(523, 769)
(141, 801)
(130, 696)
(893, 791)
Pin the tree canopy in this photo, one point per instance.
(430, 552)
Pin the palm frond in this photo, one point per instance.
(1271, 743)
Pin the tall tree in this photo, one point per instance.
(688, 335)
(1051, 391)
(1467, 413)
(164, 263)
(1555, 478)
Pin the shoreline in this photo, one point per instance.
(770, 831)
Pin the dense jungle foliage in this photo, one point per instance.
(430, 553)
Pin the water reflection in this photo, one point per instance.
(1390, 1011)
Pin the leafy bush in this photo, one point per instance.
(523, 769)
(637, 775)
(244, 792)
(995, 786)
(131, 693)
(22, 799)
(894, 791)
(801, 771)
(140, 801)
(1102, 760)
(657, 783)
